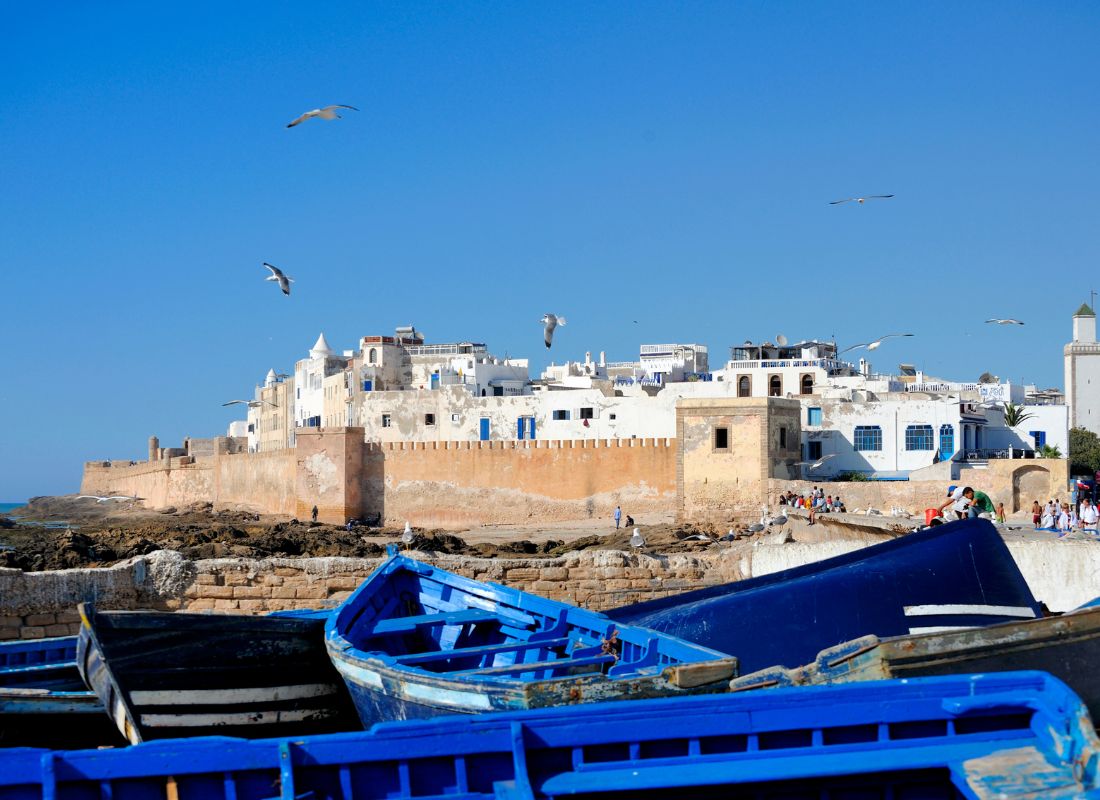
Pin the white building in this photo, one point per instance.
(309, 377)
(1082, 362)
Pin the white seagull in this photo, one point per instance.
(278, 275)
(636, 538)
(407, 537)
(250, 403)
(550, 321)
(1005, 321)
(812, 465)
(328, 112)
(875, 344)
(860, 200)
(101, 499)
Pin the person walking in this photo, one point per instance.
(1036, 513)
(618, 515)
(313, 514)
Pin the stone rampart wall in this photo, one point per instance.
(433, 484)
(461, 484)
(1064, 574)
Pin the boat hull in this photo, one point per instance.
(43, 700)
(951, 576)
(415, 641)
(167, 675)
(1009, 736)
(1067, 647)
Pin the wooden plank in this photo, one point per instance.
(689, 676)
(489, 649)
(535, 666)
(399, 624)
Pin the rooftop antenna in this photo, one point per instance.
(1092, 299)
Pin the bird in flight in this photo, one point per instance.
(101, 499)
(278, 275)
(860, 200)
(875, 344)
(550, 321)
(250, 403)
(1005, 321)
(328, 112)
(812, 465)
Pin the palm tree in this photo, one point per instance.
(1049, 451)
(1015, 415)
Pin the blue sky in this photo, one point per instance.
(665, 162)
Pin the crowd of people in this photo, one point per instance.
(1065, 517)
(816, 502)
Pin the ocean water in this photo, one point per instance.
(7, 507)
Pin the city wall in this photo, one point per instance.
(431, 484)
(38, 604)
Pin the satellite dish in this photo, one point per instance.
(781, 340)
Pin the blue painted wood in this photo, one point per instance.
(415, 641)
(954, 566)
(43, 700)
(1066, 646)
(163, 675)
(1008, 736)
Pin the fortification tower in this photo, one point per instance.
(1082, 358)
(154, 448)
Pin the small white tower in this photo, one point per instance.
(321, 348)
(1082, 362)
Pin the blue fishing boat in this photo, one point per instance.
(1066, 646)
(43, 700)
(164, 675)
(946, 577)
(417, 641)
(1012, 736)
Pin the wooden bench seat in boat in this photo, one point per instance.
(485, 650)
(406, 624)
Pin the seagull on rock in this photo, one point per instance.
(278, 275)
(636, 539)
(550, 321)
(875, 344)
(1005, 321)
(861, 200)
(328, 112)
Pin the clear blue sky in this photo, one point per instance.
(666, 162)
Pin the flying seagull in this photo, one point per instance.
(250, 403)
(278, 275)
(550, 321)
(860, 200)
(328, 112)
(875, 344)
(100, 499)
(1005, 321)
(816, 464)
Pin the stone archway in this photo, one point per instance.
(1030, 483)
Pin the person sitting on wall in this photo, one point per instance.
(980, 504)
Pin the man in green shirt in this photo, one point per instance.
(980, 504)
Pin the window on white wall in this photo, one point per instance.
(561, 414)
(385, 420)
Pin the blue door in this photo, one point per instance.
(519, 428)
(435, 380)
(532, 428)
(484, 429)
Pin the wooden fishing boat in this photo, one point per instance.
(163, 675)
(43, 700)
(1066, 646)
(1010, 736)
(416, 641)
(950, 576)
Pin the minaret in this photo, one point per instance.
(1082, 361)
